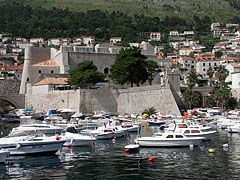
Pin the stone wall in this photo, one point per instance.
(9, 86)
(131, 100)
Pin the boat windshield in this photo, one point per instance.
(23, 133)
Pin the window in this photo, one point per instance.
(195, 131)
(215, 64)
(203, 64)
(179, 136)
(238, 83)
(192, 67)
(187, 131)
(27, 79)
(209, 64)
(169, 136)
(203, 69)
(39, 71)
(182, 126)
(192, 61)
(106, 70)
(52, 71)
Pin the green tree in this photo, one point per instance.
(129, 66)
(149, 111)
(220, 97)
(152, 69)
(192, 79)
(191, 98)
(218, 54)
(210, 73)
(221, 75)
(86, 72)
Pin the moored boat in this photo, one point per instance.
(169, 139)
(3, 156)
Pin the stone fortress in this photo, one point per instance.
(43, 63)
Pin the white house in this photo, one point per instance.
(88, 40)
(231, 67)
(203, 64)
(3, 51)
(188, 62)
(215, 26)
(25, 44)
(17, 50)
(37, 40)
(58, 41)
(115, 39)
(185, 51)
(155, 36)
(188, 33)
(174, 33)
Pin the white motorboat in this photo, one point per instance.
(234, 128)
(46, 129)
(101, 133)
(190, 131)
(73, 138)
(169, 139)
(3, 156)
(130, 127)
(24, 144)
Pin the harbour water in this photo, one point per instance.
(108, 160)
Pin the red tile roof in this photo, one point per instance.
(56, 81)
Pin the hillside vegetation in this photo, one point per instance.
(217, 10)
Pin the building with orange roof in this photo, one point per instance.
(188, 63)
(49, 84)
(204, 63)
(155, 36)
(115, 39)
(185, 51)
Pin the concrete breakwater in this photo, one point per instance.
(130, 100)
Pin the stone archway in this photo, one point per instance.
(17, 100)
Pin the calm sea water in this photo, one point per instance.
(107, 160)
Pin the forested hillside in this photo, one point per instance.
(66, 18)
(217, 10)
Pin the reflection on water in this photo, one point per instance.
(107, 160)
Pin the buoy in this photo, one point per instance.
(126, 150)
(57, 138)
(211, 150)
(115, 137)
(69, 145)
(225, 145)
(151, 158)
(18, 146)
(191, 146)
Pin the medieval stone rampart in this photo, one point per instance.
(131, 100)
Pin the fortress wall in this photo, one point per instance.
(132, 100)
(53, 100)
(101, 60)
(136, 100)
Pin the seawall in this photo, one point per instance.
(130, 100)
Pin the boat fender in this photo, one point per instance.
(69, 145)
(225, 145)
(57, 138)
(151, 159)
(127, 150)
(211, 150)
(18, 146)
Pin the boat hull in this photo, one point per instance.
(33, 148)
(157, 142)
(3, 156)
